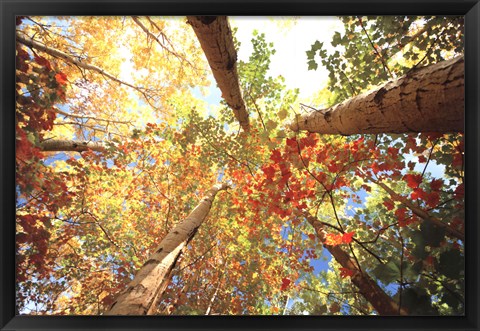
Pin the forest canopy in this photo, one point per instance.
(211, 165)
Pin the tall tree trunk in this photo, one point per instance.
(370, 290)
(212, 299)
(216, 39)
(144, 289)
(59, 145)
(429, 99)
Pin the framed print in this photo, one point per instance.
(253, 165)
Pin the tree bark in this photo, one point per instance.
(166, 280)
(143, 290)
(429, 99)
(59, 145)
(370, 290)
(216, 39)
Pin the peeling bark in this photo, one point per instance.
(58, 145)
(370, 290)
(144, 290)
(166, 280)
(429, 99)
(216, 39)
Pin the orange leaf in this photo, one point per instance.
(347, 237)
(61, 78)
(333, 239)
(338, 239)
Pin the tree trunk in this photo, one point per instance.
(143, 290)
(59, 145)
(153, 310)
(216, 39)
(429, 99)
(370, 290)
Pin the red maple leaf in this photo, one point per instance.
(415, 195)
(432, 199)
(418, 194)
(42, 61)
(436, 184)
(292, 143)
(393, 152)
(285, 283)
(276, 156)
(401, 212)
(460, 191)
(389, 204)
(18, 19)
(413, 181)
(308, 141)
(22, 54)
(269, 171)
(333, 167)
(345, 272)
(430, 260)
(457, 160)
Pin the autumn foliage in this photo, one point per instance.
(391, 206)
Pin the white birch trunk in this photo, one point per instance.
(216, 39)
(59, 145)
(142, 291)
(429, 99)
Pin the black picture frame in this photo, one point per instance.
(10, 8)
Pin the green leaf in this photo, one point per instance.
(336, 39)
(282, 114)
(451, 264)
(310, 54)
(312, 65)
(271, 125)
(451, 300)
(320, 310)
(411, 271)
(387, 273)
(433, 235)
(417, 302)
(317, 46)
(419, 248)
